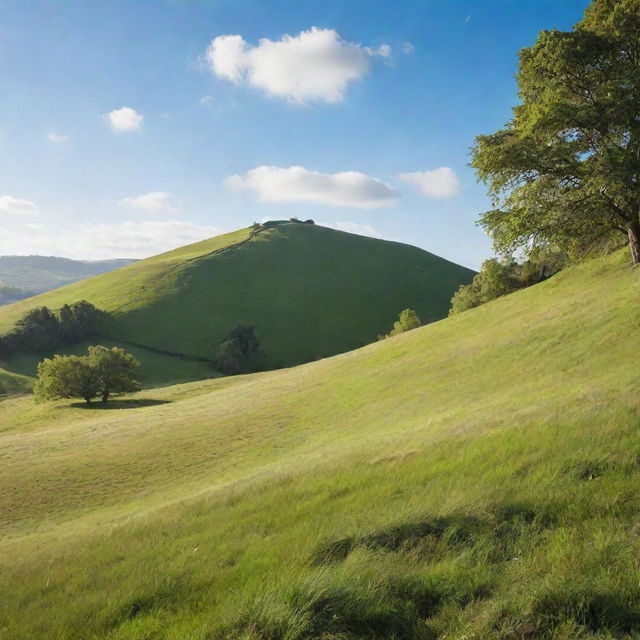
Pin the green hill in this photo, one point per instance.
(310, 292)
(474, 478)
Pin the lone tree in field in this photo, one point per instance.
(407, 321)
(239, 351)
(115, 369)
(102, 373)
(565, 170)
(66, 377)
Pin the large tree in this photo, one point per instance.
(566, 169)
(102, 373)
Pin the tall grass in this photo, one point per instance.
(476, 478)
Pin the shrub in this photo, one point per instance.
(407, 321)
(239, 351)
(102, 373)
(501, 277)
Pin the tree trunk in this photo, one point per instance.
(634, 240)
(105, 396)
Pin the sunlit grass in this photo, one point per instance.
(476, 478)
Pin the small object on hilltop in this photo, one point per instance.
(102, 373)
(407, 321)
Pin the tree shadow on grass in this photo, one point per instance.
(119, 404)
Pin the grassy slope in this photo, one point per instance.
(475, 478)
(13, 383)
(310, 292)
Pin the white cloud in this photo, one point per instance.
(207, 101)
(315, 66)
(407, 48)
(58, 138)
(102, 241)
(17, 207)
(155, 202)
(384, 51)
(297, 184)
(125, 119)
(354, 227)
(440, 183)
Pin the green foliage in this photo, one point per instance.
(103, 372)
(565, 170)
(66, 377)
(42, 330)
(115, 370)
(500, 277)
(407, 321)
(239, 351)
(37, 330)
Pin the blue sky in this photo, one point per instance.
(130, 127)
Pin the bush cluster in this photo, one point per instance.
(42, 330)
(500, 277)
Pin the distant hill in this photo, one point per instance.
(24, 276)
(309, 291)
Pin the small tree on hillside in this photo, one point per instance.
(115, 369)
(66, 377)
(239, 351)
(37, 330)
(407, 321)
(102, 373)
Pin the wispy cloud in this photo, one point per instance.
(297, 184)
(17, 207)
(440, 183)
(130, 239)
(57, 138)
(155, 202)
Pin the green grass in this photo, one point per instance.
(11, 383)
(310, 292)
(475, 478)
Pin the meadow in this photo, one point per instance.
(473, 478)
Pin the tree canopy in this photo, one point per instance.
(102, 373)
(407, 321)
(566, 169)
(500, 277)
(239, 351)
(43, 330)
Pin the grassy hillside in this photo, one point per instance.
(309, 291)
(40, 273)
(475, 478)
(11, 383)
